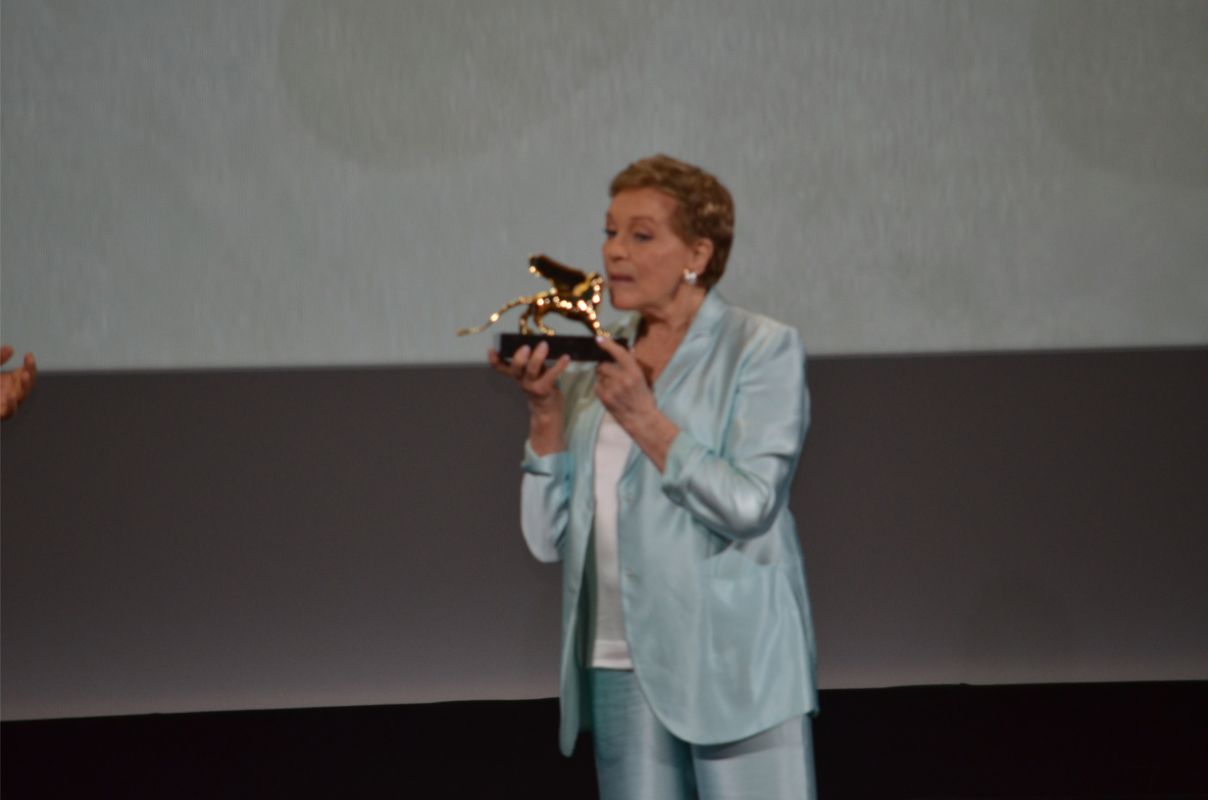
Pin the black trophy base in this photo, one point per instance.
(579, 348)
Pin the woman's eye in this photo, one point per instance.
(642, 237)
(609, 233)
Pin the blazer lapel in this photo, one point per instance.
(695, 345)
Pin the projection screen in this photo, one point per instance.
(315, 183)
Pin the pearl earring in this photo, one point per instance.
(690, 277)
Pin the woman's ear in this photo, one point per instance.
(702, 251)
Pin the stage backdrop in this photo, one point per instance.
(260, 471)
(270, 183)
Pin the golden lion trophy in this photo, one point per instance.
(572, 294)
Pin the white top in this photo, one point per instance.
(609, 650)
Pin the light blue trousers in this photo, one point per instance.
(638, 759)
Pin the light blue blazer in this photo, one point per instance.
(712, 583)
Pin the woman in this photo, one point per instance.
(660, 481)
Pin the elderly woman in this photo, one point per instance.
(660, 481)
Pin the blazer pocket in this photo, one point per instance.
(748, 611)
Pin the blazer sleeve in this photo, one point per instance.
(545, 502)
(739, 492)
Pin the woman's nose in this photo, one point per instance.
(613, 249)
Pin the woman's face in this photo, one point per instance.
(643, 256)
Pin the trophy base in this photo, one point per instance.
(579, 348)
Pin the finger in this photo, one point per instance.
(536, 362)
(546, 382)
(607, 371)
(10, 391)
(618, 353)
(619, 375)
(608, 345)
(497, 363)
(6, 353)
(520, 361)
(557, 369)
(605, 395)
(607, 380)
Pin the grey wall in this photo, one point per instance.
(308, 182)
(221, 540)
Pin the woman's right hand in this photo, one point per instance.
(540, 385)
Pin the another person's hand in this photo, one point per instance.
(15, 384)
(540, 385)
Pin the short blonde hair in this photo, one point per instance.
(704, 208)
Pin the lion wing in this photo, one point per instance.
(563, 277)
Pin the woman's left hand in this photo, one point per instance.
(621, 385)
(622, 388)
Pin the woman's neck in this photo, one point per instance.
(671, 322)
(660, 333)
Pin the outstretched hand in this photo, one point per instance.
(527, 368)
(15, 384)
(540, 385)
